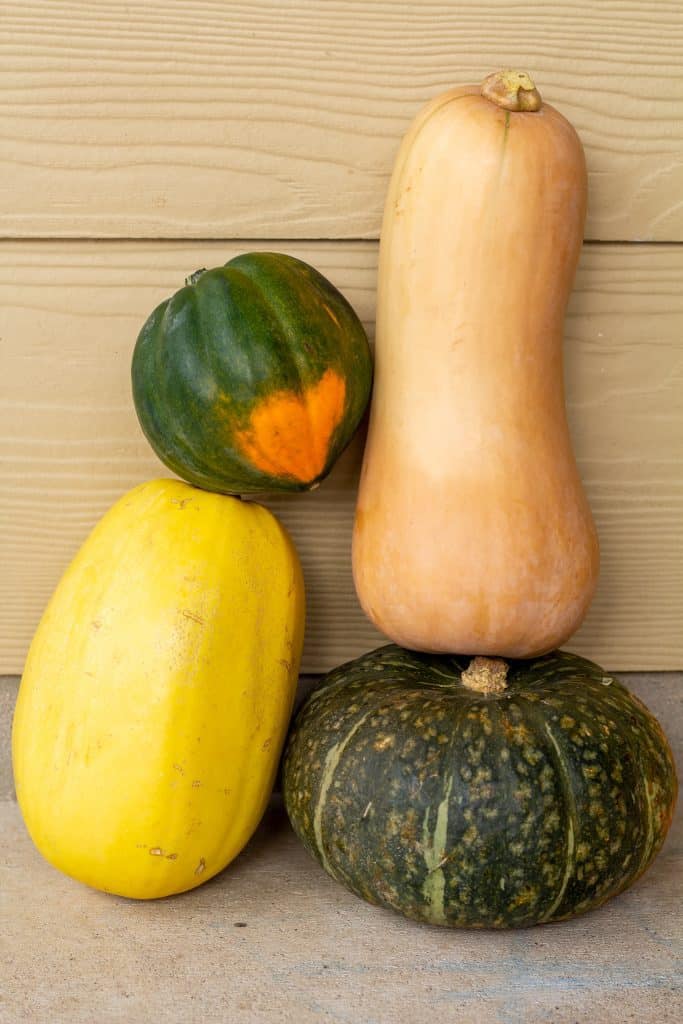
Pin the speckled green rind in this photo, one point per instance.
(264, 322)
(466, 810)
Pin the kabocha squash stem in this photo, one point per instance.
(472, 530)
(485, 675)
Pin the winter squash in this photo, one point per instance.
(158, 689)
(253, 377)
(477, 792)
(472, 531)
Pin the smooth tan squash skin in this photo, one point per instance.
(472, 531)
(158, 689)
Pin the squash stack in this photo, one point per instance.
(476, 789)
(468, 774)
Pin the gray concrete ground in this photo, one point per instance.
(273, 939)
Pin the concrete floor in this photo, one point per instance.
(273, 939)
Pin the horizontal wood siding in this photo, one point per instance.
(69, 315)
(281, 118)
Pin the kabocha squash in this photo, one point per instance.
(477, 792)
(253, 377)
(158, 689)
(472, 531)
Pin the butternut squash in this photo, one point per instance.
(472, 531)
(158, 689)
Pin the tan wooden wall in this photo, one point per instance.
(139, 141)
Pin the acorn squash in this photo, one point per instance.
(253, 377)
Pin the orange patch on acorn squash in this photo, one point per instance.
(289, 434)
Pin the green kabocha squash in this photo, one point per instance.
(479, 793)
(253, 377)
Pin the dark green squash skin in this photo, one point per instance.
(263, 323)
(478, 811)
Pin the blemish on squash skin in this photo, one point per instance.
(331, 313)
(156, 851)
(289, 434)
(200, 867)
(194, 617)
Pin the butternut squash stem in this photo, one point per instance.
(512, 90)
(486, 675)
